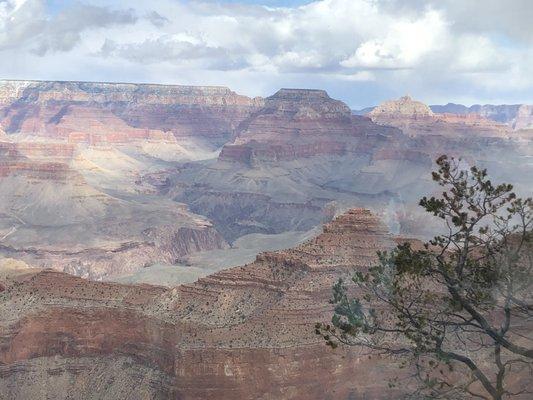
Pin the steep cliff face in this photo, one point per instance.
(247, 332)
(79, 110)
(296, 123)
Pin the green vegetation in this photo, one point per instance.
(455, 312)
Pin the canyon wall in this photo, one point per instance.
(295, 124)
(90, 170)
(247, 332)
(113, 112)
(518, 116)
(305, 149)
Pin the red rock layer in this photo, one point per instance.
(44, 161)
(298, 123)
(247, 332)
(416, 118)
(79, 110)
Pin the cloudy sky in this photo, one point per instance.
(361, 51)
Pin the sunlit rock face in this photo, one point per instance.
(73, 154)
(103, 179)
(297, 123)
(211, 339)
(116, 112)
(51, 215)
(416, 118)
(404, 107)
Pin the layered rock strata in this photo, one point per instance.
(416, 118)
(86, 155)
(81, 110)
(247, 332)
(295, 124)
(518, 116)
(305, 149)
(51, 216)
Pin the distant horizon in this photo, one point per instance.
(259, 96)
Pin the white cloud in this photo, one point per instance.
(26, 25)
(403, 45)
(424, 47)
(475, 53)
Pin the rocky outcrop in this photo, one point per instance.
(404, 107)
(415, 118)
(211, 339)
(297, 123)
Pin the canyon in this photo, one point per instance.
(162, 241)
(102, 180)
(245, 332)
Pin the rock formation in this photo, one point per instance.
(289, 162)
(99, 180)
(51, 216)
(247, 332)
(416, 118)
(296, 123)
(72, 195)
(304, 150)
(78, 157)
(517, 116)
(80, 110)
(404, 107)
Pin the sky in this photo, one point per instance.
(361, 51)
